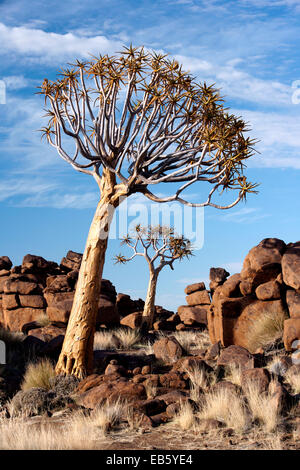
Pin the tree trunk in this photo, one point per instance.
(76, 357)
(149, 307)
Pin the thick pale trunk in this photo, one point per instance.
(149, 307)
(76, 357)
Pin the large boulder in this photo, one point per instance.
(112, 391)
(236, 356)
(293, 303)
(5, 263)
(197, 286)
(196, 315)
(253, 312)
(71, 261)
(291, 334)
(262, 264)
(198, 298)
(291, 265)
(168, 350)
(268, 291)
(133, 320)
(14, 320)
(59, 305)
(32, 263)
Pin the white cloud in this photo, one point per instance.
(49, 46)
(247, 215)
(17, 82)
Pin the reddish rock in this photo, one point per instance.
(14, 320)
(72, 261)
(89, 382)
(10, 301)
(198, 298)
(47, 333)
(152, 407)
(21, 287)
(37, 263)
(268, 291)
(59, 305)
(291, 333)
(115, 368)
(254, 311)
(293, 303)
(58, 283)
(291, 266)
(173, 379)
(218, 275)
(258, 377)
(193, 315)
(198, 286)
(262, 264)
(167, 349)
(34, 301)
(191, 362)
(230, 288)
(180, 327)
(226, 386)
(5, 263)
(108, 314)
(237, 356)
(133, 320)
(111, 391)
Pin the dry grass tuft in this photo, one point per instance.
(227, 407)
(234, 374)
(293, 379)
(151, 390)
(191, 340)
(185, 418)
(262, 407)
(265, 331)
(198, 382)
(38, 374)
(105, 340)
(128, 338)
(43, 320)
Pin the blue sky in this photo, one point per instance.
(249, 48)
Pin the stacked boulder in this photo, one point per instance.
(198, 305)
(40, 288)
(269, 284)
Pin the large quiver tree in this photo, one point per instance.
(137, 120)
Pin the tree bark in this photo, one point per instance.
(76, 357)
(149, 307)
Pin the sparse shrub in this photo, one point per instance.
(38, 374)
(29, 403)
(227, 407)
(108, 415)
(265, 331)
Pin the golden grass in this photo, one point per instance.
(151, 390)
(234, 374)
(293, 379)
(105, 340)
(191, 340)
(43, 320)
(38, 374)
(198, 382)
(185, 418)
(262, 407)
(227, 407)
(128, 338)
(265, 330)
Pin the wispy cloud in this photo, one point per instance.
(49, 46)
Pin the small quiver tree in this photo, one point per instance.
(137, 120)
(160, 247)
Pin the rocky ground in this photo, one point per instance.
(223, 372)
